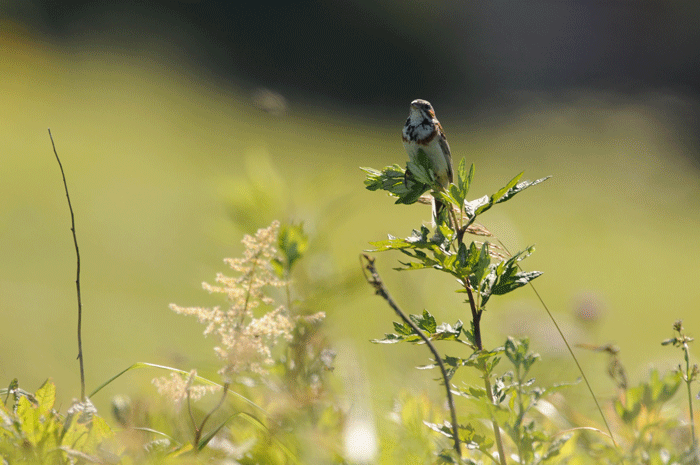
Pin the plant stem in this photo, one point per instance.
(77, 278)
(476, 318)
(688, 381)
(496, 427)
(198, 430)
(376, 281)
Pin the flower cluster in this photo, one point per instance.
(179, 387)
(246, 341)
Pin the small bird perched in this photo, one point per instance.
(423, 131)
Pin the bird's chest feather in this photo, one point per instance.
(418, 130)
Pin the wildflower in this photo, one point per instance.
(178, 387)
(245, 342)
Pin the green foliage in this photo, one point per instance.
(511, 402)
(409, 184)
(292, 416)
(427, 324)
(31, 431)
(481, 274)
(648, 396)
(406, 184)
(292, 244)
(475, 266)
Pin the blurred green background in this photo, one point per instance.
(183, 125)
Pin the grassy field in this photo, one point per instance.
(167, 168)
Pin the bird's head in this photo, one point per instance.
(421, 109)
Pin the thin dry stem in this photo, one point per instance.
(77, 273)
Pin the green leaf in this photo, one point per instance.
(516, 189)
(28, 417)
(403, 328)
(389, 339)
(292, 242)
(502, 191)
(514, 281)
(421, 169)
(417, 240)
(426, 322)
(507, 192)
(479, 264)
(464, 181)
(663, 389)
(396, 182)
(46, 397)
(632, 406)
(384, 179)
(445, 428)
(455, 195)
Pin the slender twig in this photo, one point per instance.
(376, 281)
(571, 352)
(77, 278)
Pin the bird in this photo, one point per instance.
(423, 131)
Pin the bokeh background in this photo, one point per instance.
(184, 124)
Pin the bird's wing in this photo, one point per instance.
(448, 156)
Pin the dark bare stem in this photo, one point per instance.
(376, 281)
(77, 278)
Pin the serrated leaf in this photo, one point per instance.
(46, 397)
(426, 321)
(396, 182)
(514, 281)
(403, 329)
(28, 417)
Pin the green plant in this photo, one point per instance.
(32, 431)
(482, 272)
(689, 375)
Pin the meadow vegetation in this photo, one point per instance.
(272, 399)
